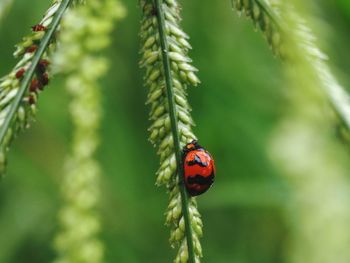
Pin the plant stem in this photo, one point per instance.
(271, 15)
(174, 127)
(44, 43)
(337, 95)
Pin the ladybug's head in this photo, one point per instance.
(192, 146)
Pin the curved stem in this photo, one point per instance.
(44, 43)
(267, 11)
(5, 5)
(174, 127)
(337, 95)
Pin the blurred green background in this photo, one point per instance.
(235, 109)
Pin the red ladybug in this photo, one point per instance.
(199, 168)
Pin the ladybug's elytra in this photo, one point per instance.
(199, 168)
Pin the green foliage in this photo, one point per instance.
(291, 37)
(85, 33)
(168, 72)
(237, 109)
(311, 159)
(304, 147)
(18, 93)
(265, 19)
(5, 5)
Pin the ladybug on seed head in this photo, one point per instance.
(199, 168)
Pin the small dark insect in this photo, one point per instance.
(34, 85)
(20, 73)
(38, 28)
(44, 80)
(31, 99)
(42, 66)
(32, 49)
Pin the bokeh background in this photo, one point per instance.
(236, 109)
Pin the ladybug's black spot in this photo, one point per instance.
(198, 161)
(194, 192)
(200, 180)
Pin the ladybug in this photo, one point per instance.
(199, 169)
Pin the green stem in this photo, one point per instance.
(44, 43)
(336, 94)
(174, 127)
(267, 11)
